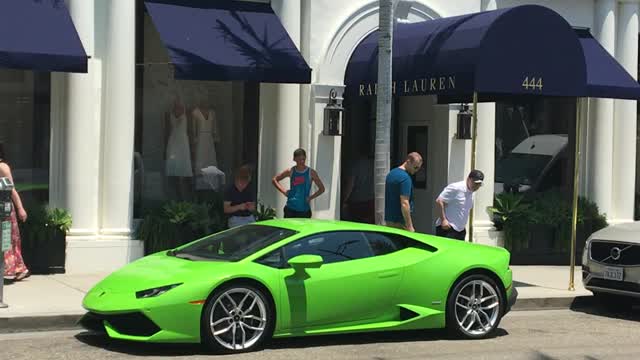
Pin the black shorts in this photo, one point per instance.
(451, 233)
(288, 213)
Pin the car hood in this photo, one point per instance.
(628, 232)
(158, 270)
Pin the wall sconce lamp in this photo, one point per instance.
(464, 123)
(333, 116)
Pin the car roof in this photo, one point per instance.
(311, 226)
(549, 144)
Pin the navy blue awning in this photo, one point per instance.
(527, 50)
(39, 35)
(606, 78)
(227, 40)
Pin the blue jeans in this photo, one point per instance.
(240, 220)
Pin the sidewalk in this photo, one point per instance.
(546, 287)
(43, 302)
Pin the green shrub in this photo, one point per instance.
(264, 212)
(172, 224)
(515, 213)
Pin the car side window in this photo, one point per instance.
(332, 247)
(382, 244)
(272, 259)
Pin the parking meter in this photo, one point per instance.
(6, 206)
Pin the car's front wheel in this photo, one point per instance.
(237, 318)
(474, 307)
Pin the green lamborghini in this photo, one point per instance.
(236, 289)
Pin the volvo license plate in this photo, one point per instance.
(614, 273)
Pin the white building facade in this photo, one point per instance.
(94, 117)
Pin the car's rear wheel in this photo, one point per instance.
(237, 318)
(474, 307)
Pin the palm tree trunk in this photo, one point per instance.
(384, 97)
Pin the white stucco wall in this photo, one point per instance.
(327, 32)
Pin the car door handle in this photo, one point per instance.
(388, 274)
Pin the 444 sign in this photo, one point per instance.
(532, 83)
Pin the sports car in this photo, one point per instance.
(235, 289)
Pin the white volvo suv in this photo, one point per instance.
(611, 261)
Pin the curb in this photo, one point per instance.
(18, 324)
(556, 303)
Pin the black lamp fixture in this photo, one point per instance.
(333, 116)
(464, 123)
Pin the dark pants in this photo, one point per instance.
(451, 233)
(288, 213)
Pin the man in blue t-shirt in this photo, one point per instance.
(398, 193)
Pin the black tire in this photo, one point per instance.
(207, 335)
(453, 326)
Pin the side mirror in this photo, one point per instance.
(305, 261)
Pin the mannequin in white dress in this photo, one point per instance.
(206, 140)
(178, 152)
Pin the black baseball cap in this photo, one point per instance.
(477, 176)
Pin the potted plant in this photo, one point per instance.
(537, 226)
(509, 213)
(44, 239)
(58, 224)
(264, 212)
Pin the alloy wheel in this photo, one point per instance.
(477, 308)
(238, 319)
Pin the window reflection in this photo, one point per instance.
(25, 98)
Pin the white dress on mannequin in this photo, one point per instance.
(178, 152)
(205, 150)
(206, 155)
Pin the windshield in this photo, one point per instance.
(521, 169)
(235, 244)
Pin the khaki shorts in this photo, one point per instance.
(395, 225)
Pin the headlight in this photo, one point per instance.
(155, 291)
(585, 252)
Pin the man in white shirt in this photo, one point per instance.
(455, 202)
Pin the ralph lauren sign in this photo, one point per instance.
(412, 87)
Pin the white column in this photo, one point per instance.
(625, 120)
(306, 113)
(81, 132)
(487, 5)
(119, 120)
(56, 145)
(601, 119)
(485, 161)
(280, 116)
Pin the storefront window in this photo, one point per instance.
(190, 135)
(24, 131)
(532, 138)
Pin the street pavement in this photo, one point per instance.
(582, 333)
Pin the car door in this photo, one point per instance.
(351, 286)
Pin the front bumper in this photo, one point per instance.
(594, 281)
(512, 298)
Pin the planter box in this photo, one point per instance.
(548, 245)
(44, 250)
(177, 236)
